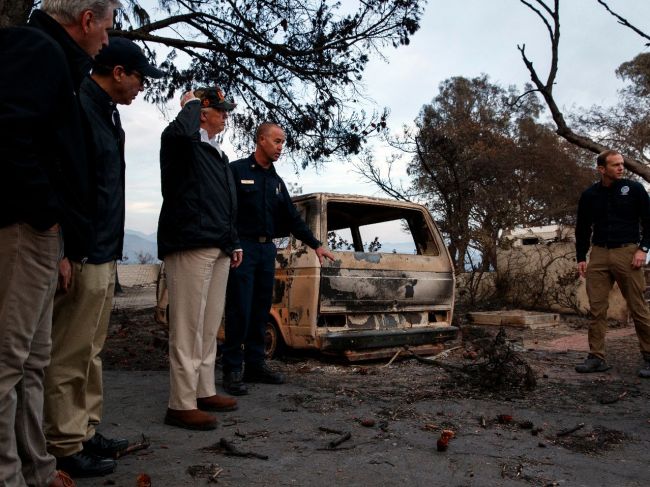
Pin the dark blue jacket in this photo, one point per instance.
(617, 214)
(44, 173)
(265, 206)
(199, 198)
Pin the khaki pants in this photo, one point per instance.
(196, 280)
(73, 381)
(605, 267)
(28, 274)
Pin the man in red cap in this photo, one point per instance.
(197, 239)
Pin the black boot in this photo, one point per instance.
(263, 374)
(644, 371)
(592, 364)
(233, 383)
(84, 464)
(105, 447)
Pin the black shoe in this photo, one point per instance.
(592, 364)
(84, 464)
(644, 371)
(263, 374)
(105, 447)
(233, 383)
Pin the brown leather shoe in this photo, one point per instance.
(62, 479)
(217, 403)
(192, 419)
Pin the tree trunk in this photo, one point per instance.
(14, 12)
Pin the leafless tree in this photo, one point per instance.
(549, 14)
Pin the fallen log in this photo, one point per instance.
(143, 444)
(227, 448)
(334, 443)
(568, 431)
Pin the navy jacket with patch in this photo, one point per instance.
(265, 206)
(613, 215)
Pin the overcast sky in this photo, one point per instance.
(456, 38)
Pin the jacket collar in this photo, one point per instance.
(253, 164)
(615, 184)
(79, 61)
(96, 92)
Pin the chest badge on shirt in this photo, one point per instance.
(248, 181)
(625, 190)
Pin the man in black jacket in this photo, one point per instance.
(73, 381)
(44, 188)
(610, 214)
(198, 241)
(265, 212)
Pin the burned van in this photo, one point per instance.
(391, 284)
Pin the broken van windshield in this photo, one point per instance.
(384, 229)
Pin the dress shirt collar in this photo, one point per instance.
(212, 141)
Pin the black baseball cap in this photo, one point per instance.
(123, 52)
(212, 97)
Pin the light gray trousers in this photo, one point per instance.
(28, 274)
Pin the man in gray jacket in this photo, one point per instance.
(43, 188)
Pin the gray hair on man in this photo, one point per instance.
(68, 11)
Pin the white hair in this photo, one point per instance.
(68, 11)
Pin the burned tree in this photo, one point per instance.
(550, 17)
(482, 163)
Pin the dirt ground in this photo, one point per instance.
(394, 415)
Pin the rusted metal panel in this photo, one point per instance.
(356, 340)
(381, 290)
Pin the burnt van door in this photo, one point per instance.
(279, 307)
(302, 282)
(388, 260)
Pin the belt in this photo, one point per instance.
(260, 239)
(614, 245)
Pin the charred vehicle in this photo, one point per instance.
(391, 285)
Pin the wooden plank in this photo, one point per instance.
(518, 318)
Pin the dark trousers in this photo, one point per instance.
(248, 302)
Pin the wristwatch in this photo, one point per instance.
(643, 248)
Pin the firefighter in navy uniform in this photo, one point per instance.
(265, 210)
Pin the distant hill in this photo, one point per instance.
(151, 237)
(136, 247)
(399, 247)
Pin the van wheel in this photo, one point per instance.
(273, 344)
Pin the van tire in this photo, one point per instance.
(273, 342)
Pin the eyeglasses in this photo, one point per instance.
(141, 78)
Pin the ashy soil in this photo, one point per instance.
(380, 424)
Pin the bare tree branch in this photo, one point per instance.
(546, 89)
(624, 22)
